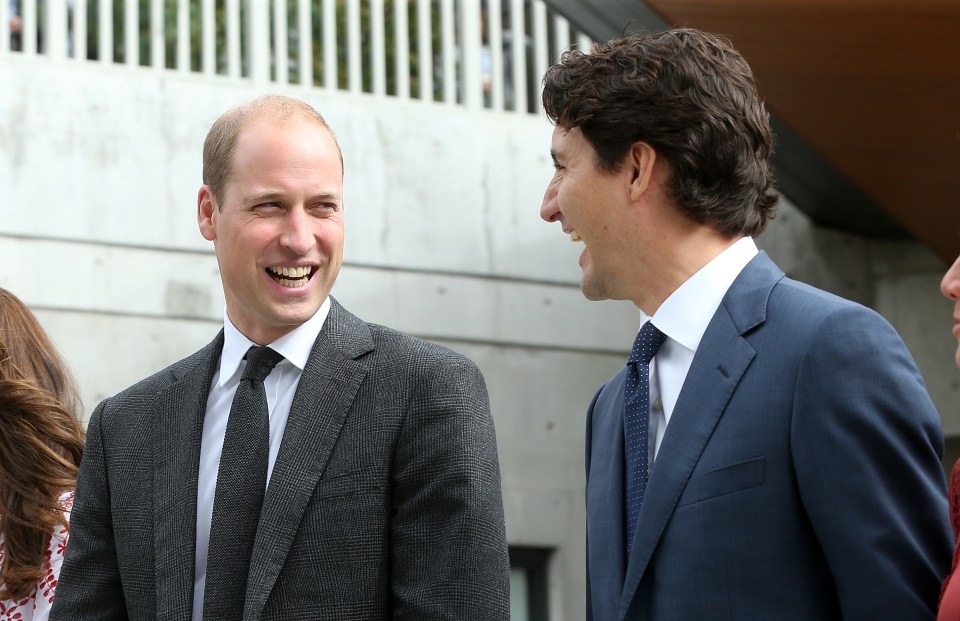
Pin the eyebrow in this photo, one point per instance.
(274, 194)
(553, 156)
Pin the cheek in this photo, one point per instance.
(330, 233)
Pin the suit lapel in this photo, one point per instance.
(178, 431)
(329, 382)
(605, 511)
(721, 360)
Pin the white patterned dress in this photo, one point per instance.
(36, 606)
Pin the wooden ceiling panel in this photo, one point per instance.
(873, 86)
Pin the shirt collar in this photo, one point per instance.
(685, 315)
(294, 346)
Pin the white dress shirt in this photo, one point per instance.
(280, 386)
(684, 317)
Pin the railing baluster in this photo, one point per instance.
(233, 38)
(158, 43)
(540, 51)
(354, 62)
(518, 51)
(80, 30)
(305, 43)
(425, 50)
(495, 50)
(561, 36)
(584, 43)
(401, 51)
(472, 79)
(131, 33)
(105, 30)
(378, 48)
(55, 29)
(448, 52)
(183, 35)
(208, 38)
(475, 70)
(330, 69)
(257, 40)
(28, 26)
(281, 59)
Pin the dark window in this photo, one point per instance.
(528, 583)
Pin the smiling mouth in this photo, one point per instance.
(291, 276)
(575, 236)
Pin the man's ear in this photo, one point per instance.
(206, 213)
(641, 159)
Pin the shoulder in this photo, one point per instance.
(807, 308)
(793, 323)
(790, 293)
(763, 292)
(415, 352)
(426, 371)
(147, 388)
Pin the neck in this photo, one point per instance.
(677, 261)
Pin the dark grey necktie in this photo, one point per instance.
(241, 483)
(636, 424)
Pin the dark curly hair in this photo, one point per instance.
(692, 97)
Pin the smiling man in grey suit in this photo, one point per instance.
(778, 457)
(378, 457)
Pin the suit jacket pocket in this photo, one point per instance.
(347, 483)
(725, 480)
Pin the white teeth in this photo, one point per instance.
(575, 236)
(294, 277)
(293, 272)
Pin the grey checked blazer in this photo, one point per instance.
(384, 502)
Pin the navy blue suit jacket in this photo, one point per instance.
(799, 477)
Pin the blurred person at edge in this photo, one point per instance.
(950, 595)
(41, 443)
(792, 462)
(16, 24)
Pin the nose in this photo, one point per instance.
(550, 208)
(950, 285)
(297, 234)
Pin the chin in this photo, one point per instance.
(593, 291)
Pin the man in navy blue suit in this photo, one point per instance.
(779, 457)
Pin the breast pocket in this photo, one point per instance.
(364, 480)
(725, 480)
(347, 511)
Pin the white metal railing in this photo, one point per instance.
(475, 53)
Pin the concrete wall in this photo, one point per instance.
(99, 169)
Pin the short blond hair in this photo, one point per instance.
(221, 141)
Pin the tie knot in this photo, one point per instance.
(260, 361)
(647, 343)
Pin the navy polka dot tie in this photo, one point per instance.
(636, 422)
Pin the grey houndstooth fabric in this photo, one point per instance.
(384, 502)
